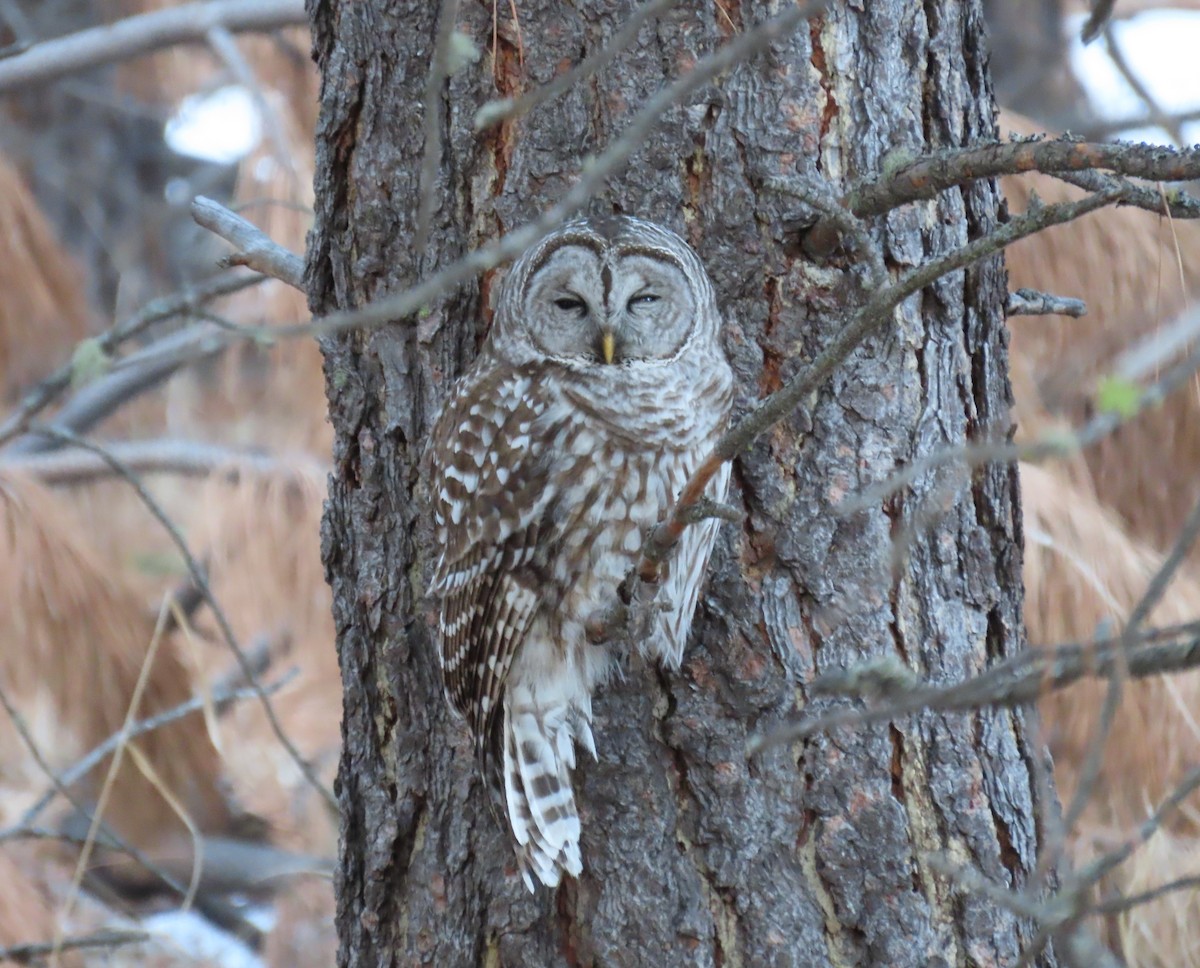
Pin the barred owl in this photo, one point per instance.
(599, 390)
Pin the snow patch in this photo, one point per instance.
(222, 126)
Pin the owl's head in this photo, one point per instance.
(605, 291)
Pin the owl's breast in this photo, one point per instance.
(612, 506)
(655, 406)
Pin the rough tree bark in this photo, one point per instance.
(815, 855)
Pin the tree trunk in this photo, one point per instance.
(693, 855)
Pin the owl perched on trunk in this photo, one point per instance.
(600, 389)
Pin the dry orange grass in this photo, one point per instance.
(261, 538)
(1084, 573)
(73, 640)
(1095, 529)
(42, 311)
(1166, 932)
(1136, 271)
(28, 905)
(303, 935)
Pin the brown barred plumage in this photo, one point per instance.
(600, 388)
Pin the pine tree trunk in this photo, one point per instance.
(811, 855)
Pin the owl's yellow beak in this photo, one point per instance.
(608, 345)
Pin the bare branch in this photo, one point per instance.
(1093, 760)
(142, 34)
(1159, 348)
(1101, 12)
(25, 953)
(254, 249)
(1030, 302)
(189, 458)
(1092, 873)
(184, 302)
(1089, 771)
(1118, 905)
(89, 761)
(926, 177)
(129, 377)
(60, 785)
(1024, 678)
(1152, 198)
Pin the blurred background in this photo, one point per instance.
(101, 620)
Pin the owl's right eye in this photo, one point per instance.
(569, 304)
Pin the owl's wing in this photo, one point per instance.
(492, 511)
(685, 575)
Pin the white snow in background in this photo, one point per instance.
(221, 126)
(192, 934)
(1162, 49)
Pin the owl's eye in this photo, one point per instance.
(570, 304)
(644, 299)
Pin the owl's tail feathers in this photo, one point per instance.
(539, 754)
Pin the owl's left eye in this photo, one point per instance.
(643, 299)
(570, 304)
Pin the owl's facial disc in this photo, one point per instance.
(609, 307)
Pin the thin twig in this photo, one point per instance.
(142, 34)
(1089, 772)
(1056, 444)
(127, 378)
(1093, 760)
(93, 757)
(1091, 874)
(190, 458)
(201, 581)
(254, 248)
(25, 953)
(1151, 354)
(1152, 198)
(225, 46)
(1119, 905)
(61, 785)
(1024, 678)
(1101, 12)
(1030, 302)
(159, 310)
(106, 787)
